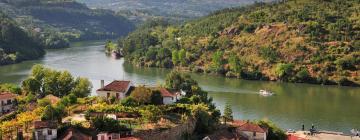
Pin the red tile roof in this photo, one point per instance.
(118, 86)
(7, 95)
(251, 127)
(45, 124)
(166, 93)
(238, 123)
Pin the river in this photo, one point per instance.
(327, 107)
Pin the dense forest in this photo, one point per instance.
(174, 10)
(16, 44)
(312, 41)
(57, 22)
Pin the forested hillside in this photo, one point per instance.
(312, 41)
(16, 44)
(174, 10)
(56, 22)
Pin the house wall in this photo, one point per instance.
(108, 136)
(5, 107)
(103, 94)
(168, 100)
(42, 134)
(250, 135)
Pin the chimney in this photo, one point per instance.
(102, 84)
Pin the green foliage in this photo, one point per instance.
(217, 61)
(274, 132)
(228, 114)
(43, 81)
(16, 44)
(129, 101)
(105, 124)
(142, 95)
(54, 113)
(302, 33)
(283, 71)
(151, 113)
(10, 88)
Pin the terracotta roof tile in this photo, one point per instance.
(251, 127)
(45, 124)
(166, 93)
(7, 95)
(118, 86)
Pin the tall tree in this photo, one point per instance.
(228, 113)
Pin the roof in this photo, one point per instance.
(251, 127)
(45, 124)
(53, 99)
(238, 123)
(7, 95)
(118, 86)
(166, 93)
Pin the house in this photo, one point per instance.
(117, 89)
(74, 134)
(8, 101)
(171, 97)
(252, 131)
(45, 130)
(126, 135)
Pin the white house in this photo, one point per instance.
(45, 130)
(117, 89)
(171, 97)
(252, 131)
(7, 102)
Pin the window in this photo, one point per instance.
(254, 134)
(49, 132)
(117, 95)
(108, 95)
(8, 102)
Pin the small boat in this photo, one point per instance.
(266, 93)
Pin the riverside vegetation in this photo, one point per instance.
(293, 41)
(73, 97)
(29, 26)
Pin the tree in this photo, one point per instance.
(284, 70)
(43, 81)
(142, 95)
(228, 114)
(274, 132)
(175, 57)
(217, 61)
(182, 57)
(234, 63)
(174, 80)
(151, 113)
(82, 87)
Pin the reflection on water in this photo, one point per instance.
(328, 107)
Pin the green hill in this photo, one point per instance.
(312, 41)
(175, 10)
(57, 22)
(16, 44)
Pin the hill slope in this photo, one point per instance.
(16, 44)
(58, 20)
(296, 41)
(140, 10)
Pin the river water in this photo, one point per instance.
(327, 107)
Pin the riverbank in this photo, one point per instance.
(252, 76)
(304, 135)
(293, 105)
